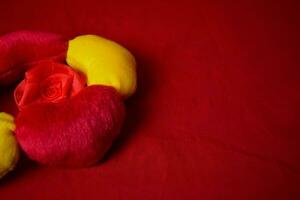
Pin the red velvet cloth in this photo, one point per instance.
(216, 114)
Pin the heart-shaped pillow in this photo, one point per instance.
(75, 132)
(18, 50)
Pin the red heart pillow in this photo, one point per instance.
(19, 50)
(75, 132)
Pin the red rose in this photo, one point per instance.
(48, 82)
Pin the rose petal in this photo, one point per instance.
(48, 82)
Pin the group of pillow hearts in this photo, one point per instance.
(70, 100)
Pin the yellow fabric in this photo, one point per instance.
(9, 152)
(104, 62)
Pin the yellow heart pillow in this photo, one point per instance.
(104, 62)
(9, 152)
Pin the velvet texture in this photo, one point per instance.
(19, 49)
(60, 122)
(216, 113)
(76, 132)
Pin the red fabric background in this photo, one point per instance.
(216, 115)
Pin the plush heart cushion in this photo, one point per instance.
(104, 62)
(19, 49)
(9, 151)
(75, 132)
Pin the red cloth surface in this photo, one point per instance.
(216, 114)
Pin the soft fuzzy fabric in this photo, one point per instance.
(19, 49)
(104, 62)
(76, 132)
(9, 151)
(216, 114)
(48, 82)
